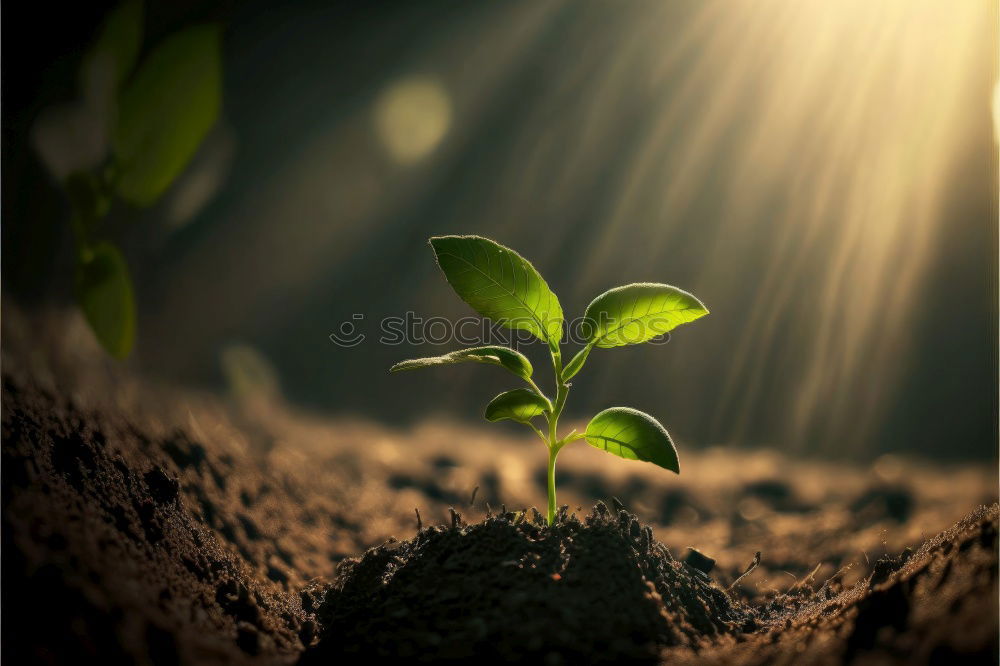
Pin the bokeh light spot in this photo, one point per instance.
(412, 116)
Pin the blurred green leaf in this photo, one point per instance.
(519, 405)
(117, 45)
(104, 291)
(629, 433)
(500, 284)
(639, 312)
(166, 111)
(502, 356)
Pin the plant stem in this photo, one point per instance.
(553, 452)
(562, 390)
(538, 432)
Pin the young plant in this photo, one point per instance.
(502, 285)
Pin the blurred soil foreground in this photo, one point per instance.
(156, 525)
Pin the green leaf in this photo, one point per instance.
(514, 361)
(500, 284)
(116, 46)
(639, 312)
(634, 435)
(104, 291)
(166, 111)
(519, 405)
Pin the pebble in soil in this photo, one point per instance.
(512, 587)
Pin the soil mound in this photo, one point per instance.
(514, 588)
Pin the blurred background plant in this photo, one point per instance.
(130, 134)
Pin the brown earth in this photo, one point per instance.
(144, 524)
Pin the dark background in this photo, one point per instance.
(824, 178)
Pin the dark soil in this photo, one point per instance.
(601, 590)
(161, 526)
(103, 558)
(604, 591)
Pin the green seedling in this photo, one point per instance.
(142, 122)
(502, 285)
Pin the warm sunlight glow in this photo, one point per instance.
(996, 112)
(827, 131)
